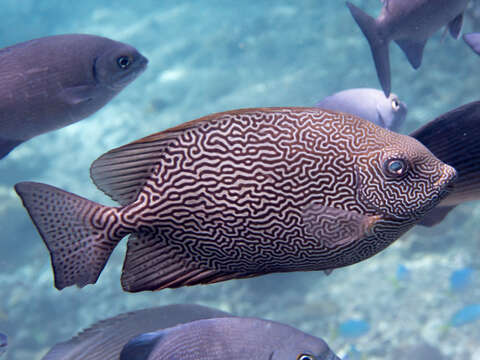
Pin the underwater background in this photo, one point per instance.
(211, 56)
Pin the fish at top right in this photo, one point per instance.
(409, 23)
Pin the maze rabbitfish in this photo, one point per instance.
(241, 194)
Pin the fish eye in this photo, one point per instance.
(395, 168)
(395, 104)
(305, 357)
(124, 62)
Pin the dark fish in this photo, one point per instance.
(104, 340)
(409, 23)
(3, 343)
(369, 104)
(228, 338)
(473, 40)
(52, 82)
(240, 194)
(453, 138)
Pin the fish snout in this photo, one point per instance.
(142, 62)
(447, 179)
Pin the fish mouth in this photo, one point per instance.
(446, 182)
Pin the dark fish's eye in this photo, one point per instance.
(124, 62)
(305, 357)
(395, 168)
(395, 104)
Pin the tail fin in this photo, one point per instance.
(453, 138)
(74, 230)
(378, 45)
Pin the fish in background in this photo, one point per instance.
(354, 354)
(228, 338)
(104, 340)
(3, 343)
(453, 138)
(143, 334)
(369, 104)
(461, 279)
(54, 81)
(402, 276)
(473, 40)
(465, 315)
(353, 328)
(409, 23)
(403, 273)
(239, 194)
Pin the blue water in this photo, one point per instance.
(210, 56)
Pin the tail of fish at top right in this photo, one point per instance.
(378, 46)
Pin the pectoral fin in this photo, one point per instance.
(333, 227)
(413, 50)
(7, 145)
(436, 216)
(77, 94)
(382, 121)
(455, 26)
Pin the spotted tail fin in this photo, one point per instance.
(74, 230)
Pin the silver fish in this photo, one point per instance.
(228, 338)
(369, 104)
(54, 81)
(473, 40)
(240, 194)
(105, 339)
(409, 23)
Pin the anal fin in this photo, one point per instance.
(151, 264)
(455, 26)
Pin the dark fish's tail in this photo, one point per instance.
(80, 234)
(378, 45)
(453, 138)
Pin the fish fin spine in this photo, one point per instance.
(153, 264)
(79, 234)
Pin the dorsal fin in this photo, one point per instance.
(122, 172)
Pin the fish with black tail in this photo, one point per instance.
(239, 194)
(105, 339)
(409, 23)
(228, 338)
(369, 104)
(453, 138)
(54, 81)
